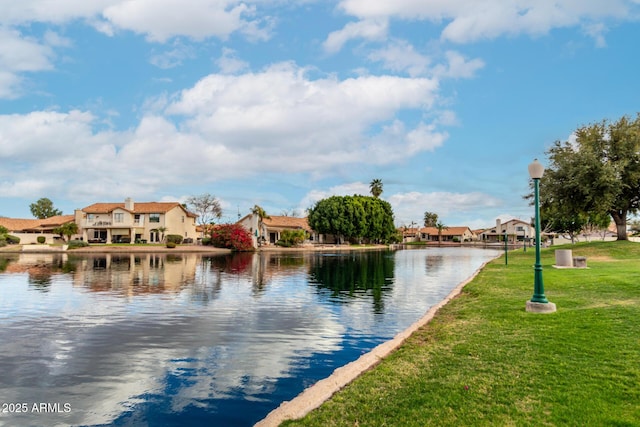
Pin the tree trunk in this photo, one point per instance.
(620, 218)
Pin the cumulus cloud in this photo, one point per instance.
(272, 114)
(20, 54)
(225, 127)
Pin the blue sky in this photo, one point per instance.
(281, 103)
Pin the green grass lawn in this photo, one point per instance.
(485, 361)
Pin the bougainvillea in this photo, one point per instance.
(231, 236)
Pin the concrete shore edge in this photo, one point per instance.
(315, 395)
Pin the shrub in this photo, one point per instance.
(290, 238)
(174, 238)
(41, 239)
(231, 236)
(12, 240)
(3, 241)
(206, 241)
(170, 244)
(77, 244)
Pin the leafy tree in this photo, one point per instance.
(354, 218)
(430, 219)
(206, 206)
(3, 230)
(598, 173)
(597, 222)
(43, 208)
(375, 186)
(67, 230)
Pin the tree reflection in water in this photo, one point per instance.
(349, 276)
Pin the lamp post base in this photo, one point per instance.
(540, 307)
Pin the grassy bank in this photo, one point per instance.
(483, 360)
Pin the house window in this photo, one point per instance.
(154, 217)
(118, 217)
(136, 218)
(90, 217)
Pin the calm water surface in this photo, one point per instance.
(173, 340)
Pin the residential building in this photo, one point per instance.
(131, 221)
(448, 234)
(28, 230)
(515, 229)
(268, 230)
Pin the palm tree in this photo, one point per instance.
(161, 230)
(262, 214)
(430, 219)
(375, 186)
(440, 226)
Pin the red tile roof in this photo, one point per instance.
(19, 224)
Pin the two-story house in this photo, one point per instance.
(129, 222)
(515, 229)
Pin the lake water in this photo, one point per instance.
(191, 339)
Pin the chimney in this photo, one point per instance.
(128, 204)
(498, 226)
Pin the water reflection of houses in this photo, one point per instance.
(134, 274)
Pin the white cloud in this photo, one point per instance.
(229, 62)
(470, 20)
(412, 206)
(346, 189)
(400, 56)
(365, 29)
(458, 66)
(160, 20)
(269, 116)
(173, 57)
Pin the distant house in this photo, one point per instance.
(268, 230)
(409, 234)
(134, 221)
(515, 229)
(449, 234)
(28, 230)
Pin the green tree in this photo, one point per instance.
(43, 208)
(67, 230)
(598, 173)
(430, 219)
(207, 207)
(375, 186)
(354, 218)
